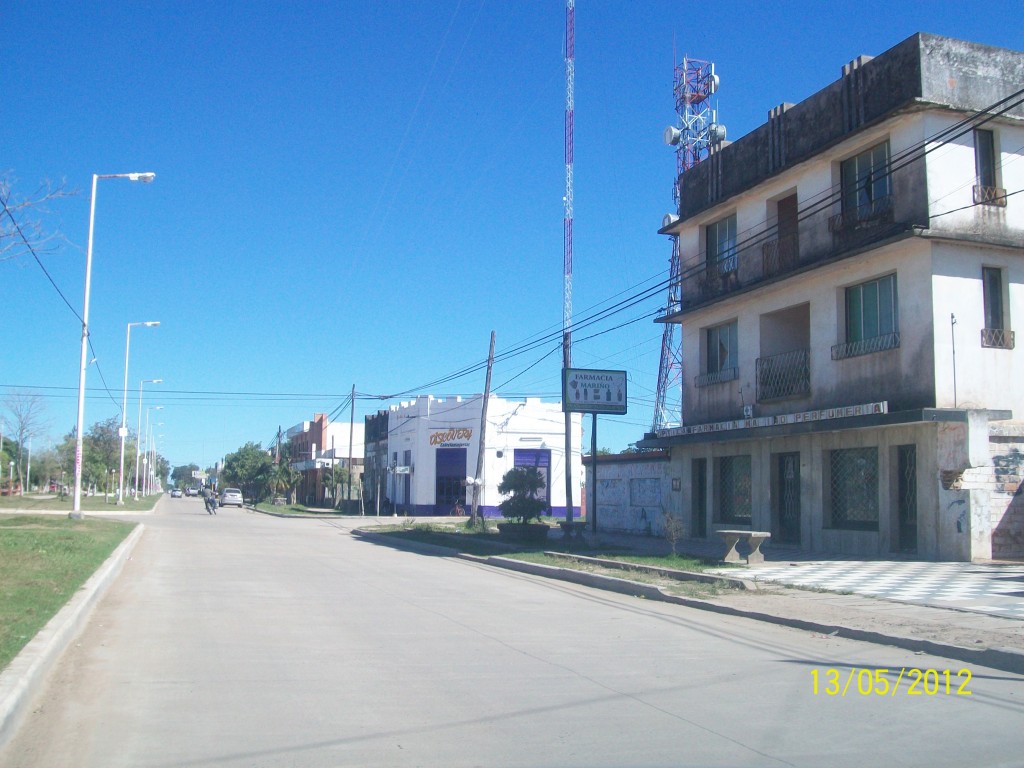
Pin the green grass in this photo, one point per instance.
(45, 503)
(473, 541)
(43, 562)
(298, 509)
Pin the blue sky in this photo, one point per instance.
(356, 193)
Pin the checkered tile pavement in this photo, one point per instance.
(991, 589)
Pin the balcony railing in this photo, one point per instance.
(717, 377)
(866, 346)
(872, 214)
(990, 196)
(997, 338)
(780, 255)
(718, 279)
(785, 375)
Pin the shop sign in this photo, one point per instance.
(451, 438)
(593, 391)
(823, 414)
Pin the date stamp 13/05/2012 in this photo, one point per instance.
(881, 681)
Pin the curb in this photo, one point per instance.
(1004, 659)
(21, 679)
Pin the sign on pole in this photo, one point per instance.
(593, 391)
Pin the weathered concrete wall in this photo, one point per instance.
(634, 496)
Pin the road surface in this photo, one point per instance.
(245, 640)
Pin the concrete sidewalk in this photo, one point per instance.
(969, 636)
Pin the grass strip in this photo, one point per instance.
(47, 503)
(44, 560)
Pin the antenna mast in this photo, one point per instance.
(697, 130)
(570, 83)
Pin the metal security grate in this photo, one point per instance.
(734, 501)
(870, 214)
(866, 346)
(854, 488)
(780, 255)
(707, 379)
(997, 338)
(990, 196)
(785, 375)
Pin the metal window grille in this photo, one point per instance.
(785, 375)
(997, 338)
(866, 346)
(854, 488)
(990, 196)
(707, 379)
(734, 489)
(869, 214)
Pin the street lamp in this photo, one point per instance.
(144, 482)
(76, 510)
(123, 432)
(138, 435)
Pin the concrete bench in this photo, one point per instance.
(753, 538)
(573, 529)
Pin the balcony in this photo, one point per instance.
(780, 255)
(997, 338)
(785, 375)
(857, 222)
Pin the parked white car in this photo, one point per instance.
(231, 496)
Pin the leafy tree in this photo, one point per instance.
(283, 479)
(249, 468)
(181, 477)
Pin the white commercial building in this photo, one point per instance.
(422, 454)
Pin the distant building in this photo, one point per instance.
(421, 453)
(852, 274)
(318, 445)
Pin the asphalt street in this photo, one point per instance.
(246, 640)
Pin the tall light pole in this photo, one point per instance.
(76, 510)
(138, 435)
(149, 442)
(123, 432)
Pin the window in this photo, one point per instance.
(865, 179)
(995, 333)
(853, 488)
(992, 286)
(721, 244)
(721, 354)
(987, 191)
(872, 318)
(734, 489)
(985, 157)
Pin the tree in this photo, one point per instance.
(181, 477)
(21, 219)
(284, 479)
(249, 468)
(27, 413)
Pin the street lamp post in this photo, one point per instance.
(145, 481)
(76, 510)
(123, 432)
(138, 435)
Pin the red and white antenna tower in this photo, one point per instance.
(694, 84)
(570, 81)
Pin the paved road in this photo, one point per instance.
(244, 640)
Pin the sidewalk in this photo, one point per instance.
(824, 599)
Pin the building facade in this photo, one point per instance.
(422, 452)
(851, 275)
(320, 445)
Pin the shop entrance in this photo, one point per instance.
(787, 498)
(450, 480)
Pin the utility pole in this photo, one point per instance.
(479, 476)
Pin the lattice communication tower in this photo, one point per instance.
(696, 131)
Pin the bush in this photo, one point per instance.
(522, 506)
